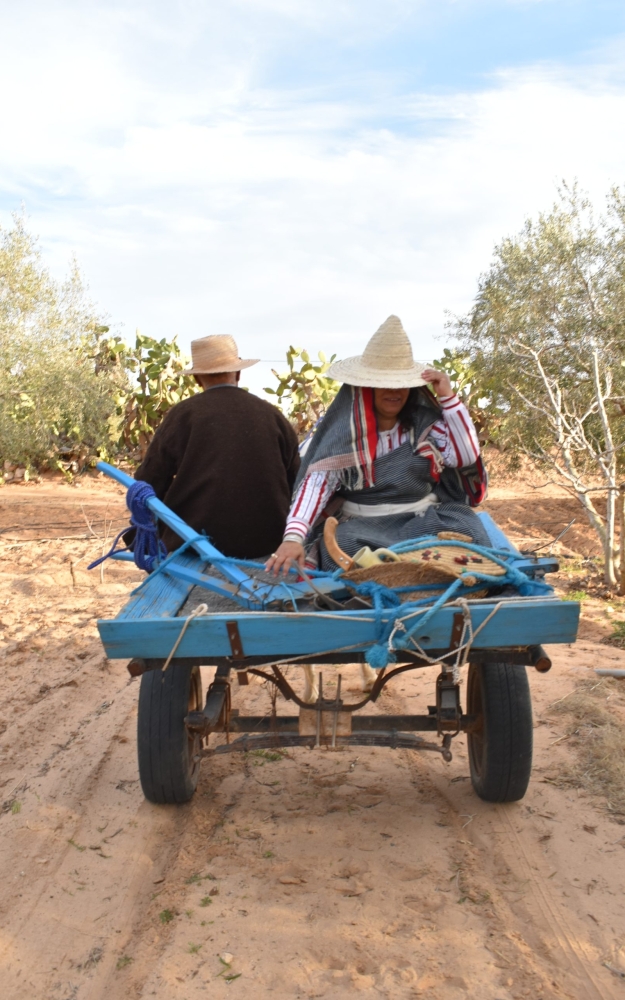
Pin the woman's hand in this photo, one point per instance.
(439, 381)
(284, 556)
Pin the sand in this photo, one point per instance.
(365, 872)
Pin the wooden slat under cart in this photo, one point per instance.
(249, 623)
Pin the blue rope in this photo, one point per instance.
(252, 564)
(386, 599)
(111, 551)
(161, 566)
(148, 549)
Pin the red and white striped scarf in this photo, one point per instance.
(346, 439)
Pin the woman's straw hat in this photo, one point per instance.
(215, 354)
(387, 361)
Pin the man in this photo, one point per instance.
(224, 460)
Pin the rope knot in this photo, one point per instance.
(148, 549)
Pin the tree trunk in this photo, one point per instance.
(610, 572)
(620, 508)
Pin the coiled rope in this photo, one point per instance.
(148, 549)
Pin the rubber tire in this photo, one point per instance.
(167, 768)
(500, 754)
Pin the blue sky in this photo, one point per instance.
(296, 170)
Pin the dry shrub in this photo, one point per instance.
(618, 636)
(596, 725)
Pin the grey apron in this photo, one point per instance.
(400, 477)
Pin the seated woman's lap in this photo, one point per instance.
(382, 532)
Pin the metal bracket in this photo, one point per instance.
(235, 641)
(216, 714)
(448, 710)
(456, 631)
(325, 718)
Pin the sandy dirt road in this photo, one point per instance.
(308, 874)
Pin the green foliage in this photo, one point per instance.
(552, 295)
(480, 401)
(546, 339)
(155, 381)
(618, 634)
(304, 391)
(54, 407)
(70, 391)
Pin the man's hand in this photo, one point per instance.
(439, 381)
(282, 559)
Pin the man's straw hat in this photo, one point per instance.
(387, 361)
(215, 354)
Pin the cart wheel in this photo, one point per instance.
(500, 745)
(167, 752)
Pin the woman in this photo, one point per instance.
(390, 460)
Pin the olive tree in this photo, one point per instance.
(54, 406)
(546, 339)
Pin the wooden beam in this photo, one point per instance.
(161, 596)
(519, 622)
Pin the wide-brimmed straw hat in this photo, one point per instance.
(387, 361)
(215, 354)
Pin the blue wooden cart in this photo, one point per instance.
(267, 625)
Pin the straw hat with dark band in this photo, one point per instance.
(387, 361)
(215, 354)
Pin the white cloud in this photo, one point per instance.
(198, 202)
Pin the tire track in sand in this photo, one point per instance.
(81, 862)
(552, 918)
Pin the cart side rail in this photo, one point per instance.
(515, 622)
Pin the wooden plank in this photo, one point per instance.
(518, 622)
(529, 566)
(161, 596)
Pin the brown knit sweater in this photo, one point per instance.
(225, 461)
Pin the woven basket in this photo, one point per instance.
(398, 574)
(435, 564)
(447, 562)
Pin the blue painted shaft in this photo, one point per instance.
(497, 537)
(201, 544)
(248, 589)
(214, 584)
(116, 474)
(262, 592)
